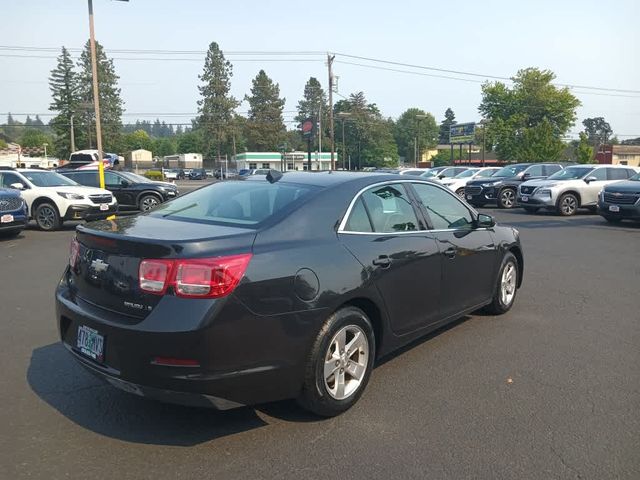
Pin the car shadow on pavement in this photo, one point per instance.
(85, 400)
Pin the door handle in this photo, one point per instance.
(450, 252)
(382, 261)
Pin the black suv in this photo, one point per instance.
(131, 190)
(198, 174)
(501, 187)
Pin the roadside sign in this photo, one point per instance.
(308, 128)
(462, 133)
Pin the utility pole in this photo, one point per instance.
(73, 135)
(330, 59)
(96, 96)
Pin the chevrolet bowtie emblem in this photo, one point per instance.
(99, 266)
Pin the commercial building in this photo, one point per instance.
(285, 162)
(626, 155)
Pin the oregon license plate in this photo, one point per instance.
(6, 218)
(614, 208)
(104, 207)
(90, 343)
(524, 198)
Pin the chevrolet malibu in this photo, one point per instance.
(281, 286)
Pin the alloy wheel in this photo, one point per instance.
(46, 218)
(568, 205)
(508, 198)
(508, 284)
(148, 203)
(345, 362)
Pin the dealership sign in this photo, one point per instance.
(462, 133)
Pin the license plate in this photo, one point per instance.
(524, 198)
(6, 218)
(614, 208)
(90, 343)
(104, 207)
(469, 197)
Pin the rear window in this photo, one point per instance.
(236, 202)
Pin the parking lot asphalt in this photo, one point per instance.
(549, 390)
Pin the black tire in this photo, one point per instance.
(47, 217)
(498, 306)
(316, 396)
(507, 198)
(612, 219)
(567, 205)
(531, 209)
(148, 202)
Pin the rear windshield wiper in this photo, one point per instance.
(180, 210)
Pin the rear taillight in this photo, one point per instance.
(154, 275)
(74, 252)
(194, 278)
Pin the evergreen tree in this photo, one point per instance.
(314, 104)
(217, 105)
(111, 105)
(449, 119)
(265, 127)
(63, 83)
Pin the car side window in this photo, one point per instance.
(359, 219)
(551, 169)
(445, 210)
(111, 179)
(390, 209)
(617, 173)
(8, 178)
(599, 173)
(535, 171)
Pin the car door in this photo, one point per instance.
(469, 254)
(113, 183)
(387, 234)
(533, 172)
(589, 192)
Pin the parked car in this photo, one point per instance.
(88, 159)
(574, 187)
(187, 172)
(132, 191)
(440, 173)
(620, 200)
(173, 173)
(457, 183)
(502, 187)
(270, 316)
(244, 172)
(198, 174)
(14, 213)
(53, 198)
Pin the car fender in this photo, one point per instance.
(149, 192)
(61, 204)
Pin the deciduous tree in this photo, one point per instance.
(415, 129)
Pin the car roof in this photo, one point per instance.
(333, 178)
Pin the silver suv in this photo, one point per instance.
(571, 188)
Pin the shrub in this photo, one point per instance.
(154, 175)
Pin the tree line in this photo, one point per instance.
(526, 121)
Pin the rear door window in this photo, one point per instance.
(535, 171)
(359, 219)
(617, 173)
(551, 169)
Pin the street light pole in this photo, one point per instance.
(73, 135)
(96, 95)
(419, 153)
(45, 153)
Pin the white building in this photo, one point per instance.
(288, 161)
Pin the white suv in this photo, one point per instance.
(53, 198)
(457, 183)
(571, 188)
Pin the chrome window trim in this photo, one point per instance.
(343, 222)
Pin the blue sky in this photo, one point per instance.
(584, 42)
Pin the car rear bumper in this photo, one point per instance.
(625, 211)
(89, 213)
(243, 358)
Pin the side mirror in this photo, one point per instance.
(525, 175)
(124, 183)
(590, 179)
(440, 177)
(17, 186)
(485, 221)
